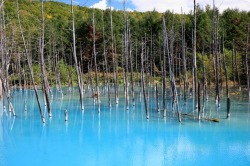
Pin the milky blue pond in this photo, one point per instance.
(120, 137)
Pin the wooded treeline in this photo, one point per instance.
(143, 26)
(54, 44)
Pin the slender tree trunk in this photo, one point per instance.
(233, 63)
(237, 70)
(171, 73)
(132, 74)
(19, 69)
(247, 68)
(194, 56)
(203, 79)
(113, 55)
(105, 60)
(199, 101)
(30, 65)
(215, 53)
(126, 55)
(226, 74)
(95, 63)
(80, 84)
(43, 70)
(165, 50)
(5, 90)
(143, 82)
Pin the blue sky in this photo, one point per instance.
(162, 5)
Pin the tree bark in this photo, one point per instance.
(80, 84)
(95, 63)
(143, 82)
(43, 68)
(247, 67)
(29, 65)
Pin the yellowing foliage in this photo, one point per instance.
(49, 16)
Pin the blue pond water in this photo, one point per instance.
(120, 137)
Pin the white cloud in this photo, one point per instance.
(102, 4)
(239, 4)
(161, 5)
(187, 5)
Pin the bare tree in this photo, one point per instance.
(165, 50)
(184, 59)
(29, 64)
(143, 82)
(43, 67)
(113, 56)
(194, 56)
(226, 74)
(247, 68)
(105, 60)
(126, 52)
(80, 83)
(95, 63)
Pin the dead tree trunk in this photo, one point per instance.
(43, 68)
(204, 90)
(113, 55)
(95, 63)
(30, 65)
(126, 55)
(226, 74)
(143, 82)
(237, 70)
(5, 90)
(131, 73)
(233, 63)
(80, 84)
(247, 68)
(165, 50)
(171, 73)
(215, 53)
(194, 56)
(105, 60)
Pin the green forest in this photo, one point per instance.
(146, 27)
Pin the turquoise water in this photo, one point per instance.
(120, 137)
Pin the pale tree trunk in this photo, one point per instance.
(165, 45)
(126, 55)
(171, 73)
(80, 84)
(194, 57)
(105, 60)
(247, 68)
(143, 82)
(226, 74)
(95, 63)
(184, 61)
(43, 67)
(30, 65)
(237, 70)
(132, 74)
(233, 63)
(5, 90)
(6, 56)
(113, 56)
(204, 90)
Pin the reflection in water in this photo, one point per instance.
(12, 123)
(120, 137)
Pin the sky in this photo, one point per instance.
(162, 5)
